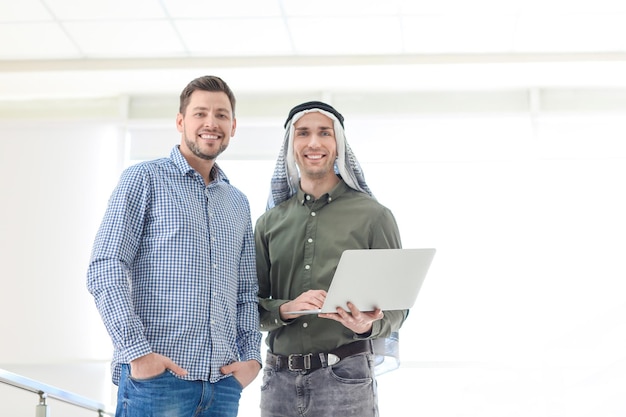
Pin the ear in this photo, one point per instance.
(180, 122)
(234, 128)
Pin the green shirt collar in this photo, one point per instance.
(336, 192)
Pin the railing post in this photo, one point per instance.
(42, 408)
(48, 391)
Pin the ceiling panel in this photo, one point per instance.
(458, 34)
(539, 7)
(350, 35)
(194, 9)
(235, 37)
(462, 7)
(105, 9)
(570, 33)
(343, 8)
(23, 11)
(35, 41)
(127, 38)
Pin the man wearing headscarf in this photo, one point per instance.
(319, 205)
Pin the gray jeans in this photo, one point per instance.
(347, 388)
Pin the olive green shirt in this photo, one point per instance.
(298, 246)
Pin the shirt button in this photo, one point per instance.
(330, 199)
(275, 321)
(305, 325)
(308, 197)
(309, 240)
(307, 266)
(313, 213)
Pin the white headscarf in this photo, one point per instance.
(286, 177)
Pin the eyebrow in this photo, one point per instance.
(320, 128)
(221, 109)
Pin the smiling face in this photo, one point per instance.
(206, 125)
(315, 146)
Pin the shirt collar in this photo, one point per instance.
(338, 190)
(186, 169)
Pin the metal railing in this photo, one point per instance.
(47, 391)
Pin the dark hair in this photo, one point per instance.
(205, 83)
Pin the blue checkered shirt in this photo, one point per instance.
(173, 269)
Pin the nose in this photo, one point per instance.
(314, 140)
(210, 121)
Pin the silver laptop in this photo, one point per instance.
(389, 279)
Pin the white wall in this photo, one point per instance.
(522, 313)
(56, 177)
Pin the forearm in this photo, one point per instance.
(248, 334)
(391, 322)
(269, 312)
(107, 282)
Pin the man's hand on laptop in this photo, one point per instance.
(309, 300)
(359, 322)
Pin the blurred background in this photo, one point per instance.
(495, 130)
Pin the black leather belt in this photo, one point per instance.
(313, 361)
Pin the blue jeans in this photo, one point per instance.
(167, 396)
(347, 388)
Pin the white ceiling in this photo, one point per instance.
(94, 48)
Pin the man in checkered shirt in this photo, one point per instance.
(173, 272)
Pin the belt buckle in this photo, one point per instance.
(332, 359)
(306, 362)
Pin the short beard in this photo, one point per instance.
(193, 147)
(317, 174)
